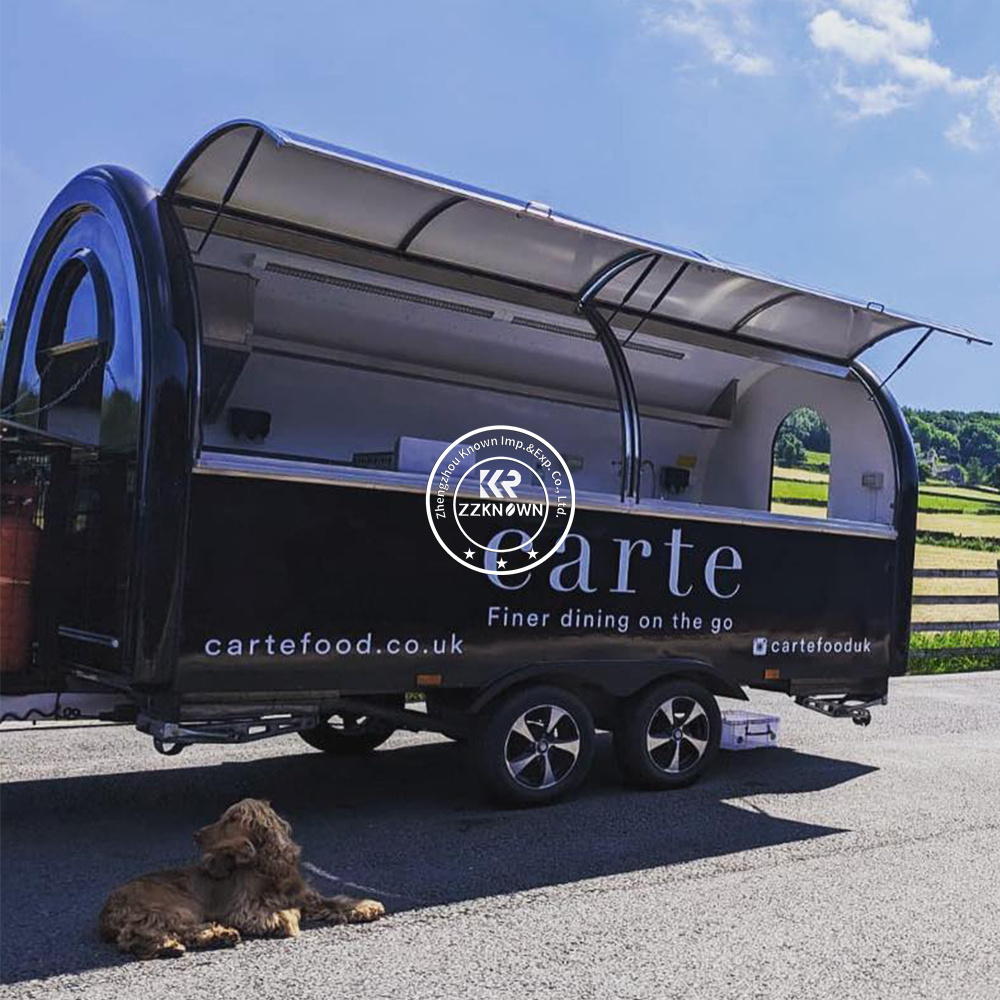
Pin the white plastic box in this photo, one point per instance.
(742, 730)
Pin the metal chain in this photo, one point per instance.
(31, 388)
(63, 395)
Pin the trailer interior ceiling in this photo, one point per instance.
(354, 304)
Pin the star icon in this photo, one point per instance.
(501, 563)
(469, 553)
(532, 554)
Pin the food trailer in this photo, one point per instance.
(221, 403)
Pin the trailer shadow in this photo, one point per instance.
(406, 824)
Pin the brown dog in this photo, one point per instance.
(248, 882)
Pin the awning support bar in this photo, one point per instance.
(667, 289)
(906, 357)
(903, 327)
(635, 287)
(231, 188)
(628, 400)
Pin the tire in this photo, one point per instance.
(519, 760)
(668, 735)
(345, 735)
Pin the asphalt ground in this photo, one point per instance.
(845, 863)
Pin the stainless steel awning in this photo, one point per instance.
(255, 172)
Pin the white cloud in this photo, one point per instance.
(993, 97)
(883, 54)
(873, 102)
(896, 19)
(918, 177)
(724, 29)
(861, 43)
(887, 38)
(960, 133)
(893, 37)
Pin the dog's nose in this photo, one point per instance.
(197, 837)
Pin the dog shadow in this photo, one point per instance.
(406, 825)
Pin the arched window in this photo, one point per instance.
(800, 465)
(71, 350)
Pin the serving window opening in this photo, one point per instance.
(362, 374)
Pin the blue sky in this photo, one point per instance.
(851, 144)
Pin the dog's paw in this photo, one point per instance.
(214, 936)
(288, 923)
(365, 910)
(224, 937)
(171, 948)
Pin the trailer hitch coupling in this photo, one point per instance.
(854, 707)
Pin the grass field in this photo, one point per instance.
(799, 510)
(976, 510)
(980, 496)
(961, 524)
(797, 489)
(804, 475)
(941, 557)
(955, 664)
(975, 492)
(945, 557)
(970, 613)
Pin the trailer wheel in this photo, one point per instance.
(536, 745)
(345, 735)
(668, 735)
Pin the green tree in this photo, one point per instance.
(955, 474)
(947, 420)
(930, 437)
(788, 450)
(809, 427)
(979, 441)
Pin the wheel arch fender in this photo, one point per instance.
(615, 678)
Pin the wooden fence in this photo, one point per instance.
(944, 652)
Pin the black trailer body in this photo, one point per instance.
(348, 582)
(218, 405)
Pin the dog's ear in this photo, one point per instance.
(218, 864)
(245, 853)
(277, 854)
